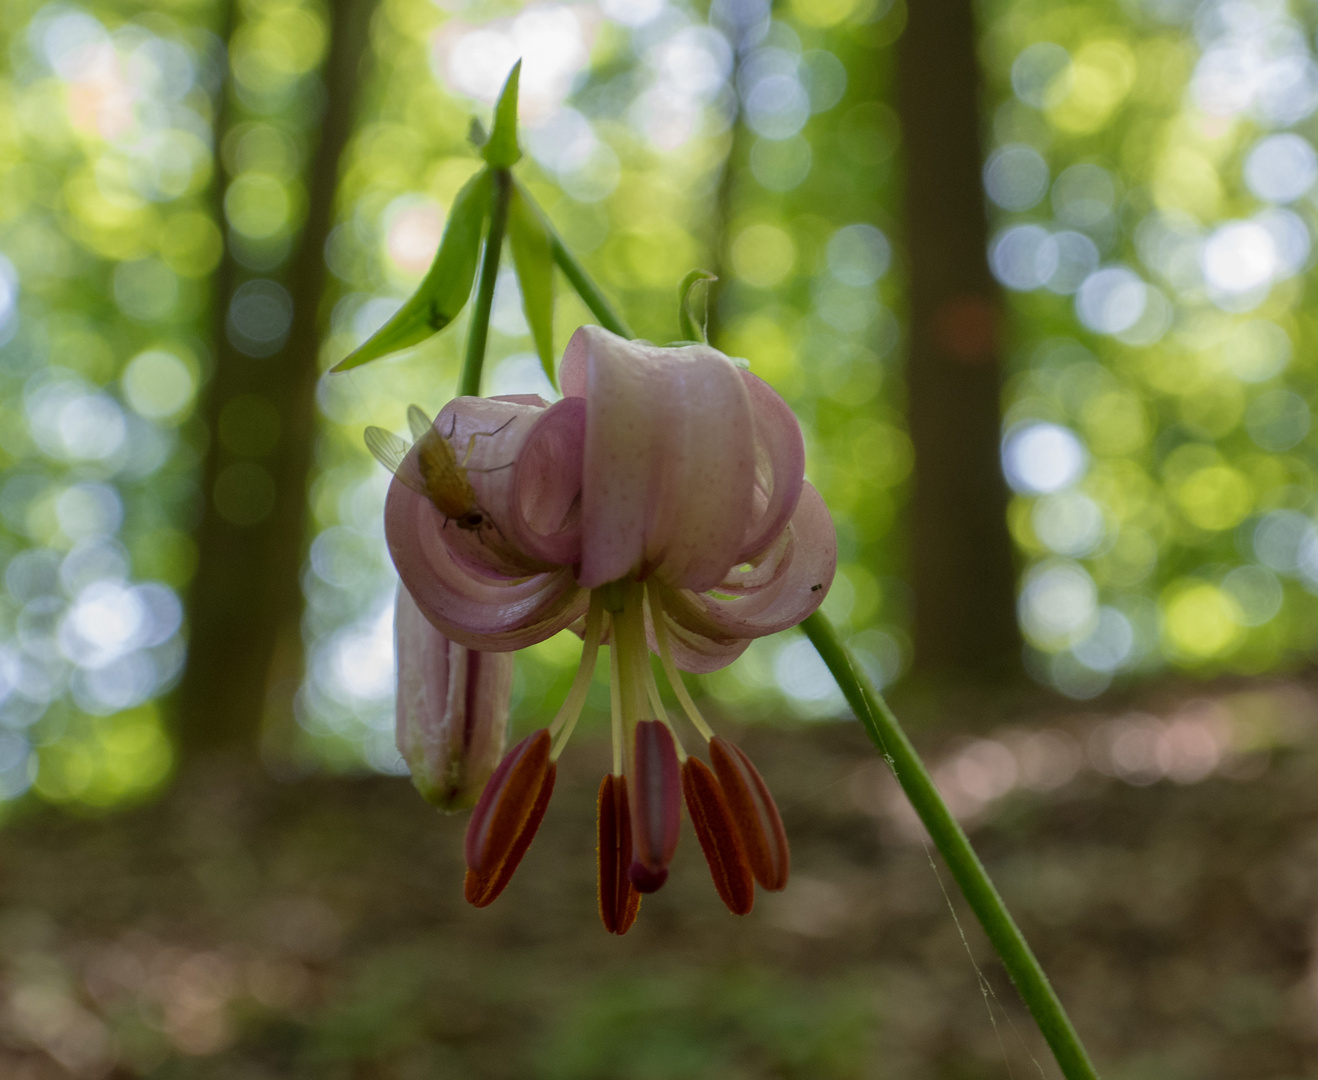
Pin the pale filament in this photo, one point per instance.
(659, 621)
(563, 724)
(615, 704)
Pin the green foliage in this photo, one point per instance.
(528, 238)
(692, 330)
(1193, 442)
(443, 293)
(1195, 416)
(502, 150)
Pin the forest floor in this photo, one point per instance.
(1162, 857)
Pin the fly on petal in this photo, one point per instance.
(619, 900)
(506, 818)
(656, 798)
(753, 810)
(718, 836)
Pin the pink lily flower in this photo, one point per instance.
(661, 504)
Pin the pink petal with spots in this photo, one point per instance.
(473, 605)
(668, 474)
(711, 630)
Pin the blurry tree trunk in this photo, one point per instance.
(245, 652)
(961, 555)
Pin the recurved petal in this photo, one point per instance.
(452, 709)
(544, 519)
(507, 816)
(710, 630)
(618, 899)
(474, 470)
(475, 607)
(656, 800)
(779, 466)
(668, 473)
(752, 807)
(718, 836)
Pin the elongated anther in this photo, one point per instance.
(753, 810)
(505, 819)
(656, 801)
(619, 900)
(718, 836)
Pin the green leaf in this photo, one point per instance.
(502, 151)
(692, 330)
(533, 259)
(447, 284)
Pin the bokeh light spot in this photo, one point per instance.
(1039, 458)
(763, 255)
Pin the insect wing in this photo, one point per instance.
(417, 421)
(391, 452)
(386, 447)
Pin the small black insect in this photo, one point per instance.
(816, 588)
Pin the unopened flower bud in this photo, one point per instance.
(453, 707)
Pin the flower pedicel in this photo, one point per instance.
(660, 504)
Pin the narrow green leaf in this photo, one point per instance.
(533, 260)
(692, 330)
(502, 151)
(447, 284)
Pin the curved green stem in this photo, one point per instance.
(589, 292)
(1020, 962)
(478, 330)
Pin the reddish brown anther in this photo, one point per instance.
(619, 900)
(505, 819)
(656, 805)
(752, 807)
(717, 833)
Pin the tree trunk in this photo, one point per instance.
(961, 555)
(245, 650)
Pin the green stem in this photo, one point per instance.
(586, 288)
(478, 331)
(1020, 962)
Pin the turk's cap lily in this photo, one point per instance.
(452, 709)
(661, 505)
(665, 465)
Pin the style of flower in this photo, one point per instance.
(659, 506)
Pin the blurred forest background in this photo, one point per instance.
(190, 240)
(1034, 278)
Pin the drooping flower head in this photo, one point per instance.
(660, 503)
